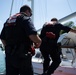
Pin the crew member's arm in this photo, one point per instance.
(3, 42)
(2, 36)
(32, 33)
(73, 30)
(66, 28)
(36, 39)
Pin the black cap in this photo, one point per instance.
(24, 8)
(54, 19)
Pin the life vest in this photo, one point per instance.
(12, 19)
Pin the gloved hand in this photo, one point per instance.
(50, 35)
(32, 50)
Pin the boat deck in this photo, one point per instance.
(64, 71)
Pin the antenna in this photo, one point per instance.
(11, 8)
(32, 7)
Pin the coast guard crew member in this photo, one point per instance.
(18, 36)
(49, 35)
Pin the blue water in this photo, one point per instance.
(2, 61)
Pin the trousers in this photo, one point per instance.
(21, 66)
(17, 62)
(48, 55)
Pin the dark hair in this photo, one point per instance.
(24, 8)
(54, 19)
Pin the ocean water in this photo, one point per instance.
(2, 62)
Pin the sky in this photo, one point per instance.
(44, 10)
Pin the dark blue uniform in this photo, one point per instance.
(49, 46)
(16, 33)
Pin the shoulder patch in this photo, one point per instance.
(12, 19)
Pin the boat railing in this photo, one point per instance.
(68, 53)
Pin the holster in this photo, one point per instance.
(17, 54)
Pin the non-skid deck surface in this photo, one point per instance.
(65, 71)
